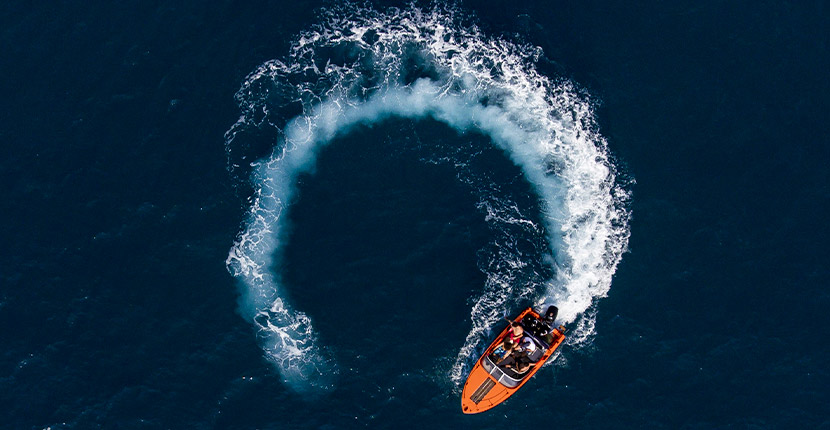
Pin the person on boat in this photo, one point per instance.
(514, 337)
(503, 350)
(523, 366)
(519, 354)
(518, 361)
(516, 332)
(527, 345)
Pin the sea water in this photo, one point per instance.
(308, 215)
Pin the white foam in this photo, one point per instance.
(475, 83)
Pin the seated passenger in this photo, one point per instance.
(527, 345)
(502, 351)
(522, 366)
(519, 362)
(514, 336)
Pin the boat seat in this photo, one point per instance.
(536, 355)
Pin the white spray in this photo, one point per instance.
(471, 82)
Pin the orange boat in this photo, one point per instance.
(490, 384)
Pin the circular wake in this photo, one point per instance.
(361, 67)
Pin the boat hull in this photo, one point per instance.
(488, 386)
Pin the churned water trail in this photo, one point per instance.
(361, 66)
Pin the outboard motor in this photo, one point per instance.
(550, 315)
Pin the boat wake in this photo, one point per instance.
(360, 67)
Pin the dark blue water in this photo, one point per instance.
(117, 309)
